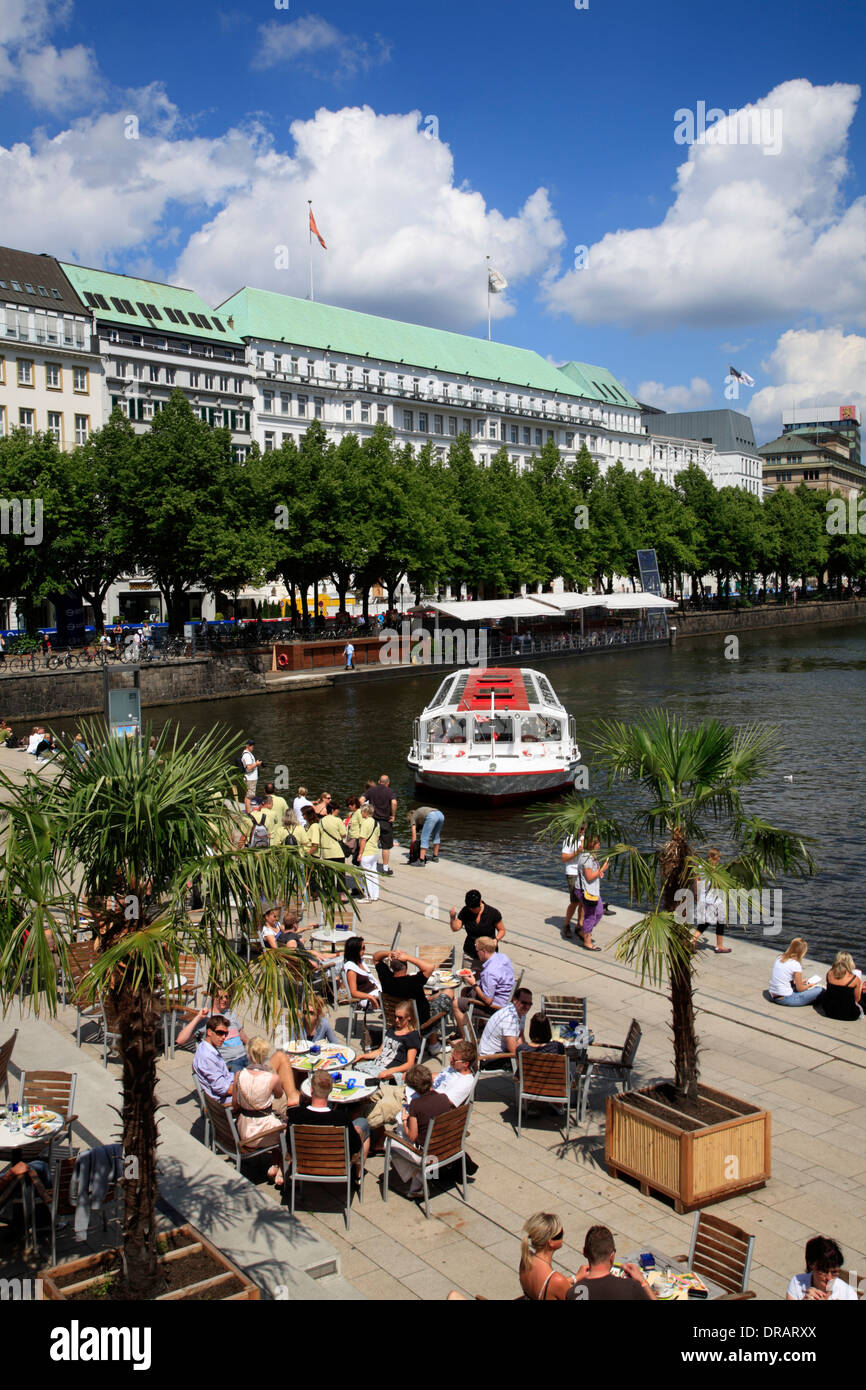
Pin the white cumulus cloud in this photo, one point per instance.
(809, 367)
(751, 236)
(403, 238)
(695, 396)
(51, 79)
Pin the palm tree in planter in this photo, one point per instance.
(112, 843)
(691, 780)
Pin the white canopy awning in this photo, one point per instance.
(570, 603)
(482, 610)
(615, 602)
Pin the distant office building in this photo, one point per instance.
(841, 420)
(818, 457)
(735, 461)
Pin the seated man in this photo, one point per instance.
(208, 1066)
(233, 1046)
(392, 968)
(594, 1281)
(494, 984)
(456, 1081)
(821, 1280)
(504, 1030)
(319, 1112)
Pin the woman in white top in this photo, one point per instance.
(787, 985)
(360, 982)
(821, 1283)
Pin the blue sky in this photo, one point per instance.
(555, 131)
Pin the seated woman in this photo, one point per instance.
(316, 1023)
(415, 1119)
(263, 1081)
(540, 1037)
(358, 978)
(820, 1283)
(399, 1050)
(543, 1235)
(843, 990)
(787, 985)
(269, 931)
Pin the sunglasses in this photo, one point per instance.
(220, 1032)
(560, 1235)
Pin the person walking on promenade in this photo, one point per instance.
(383, 804)
(349, 654)
(591, 874)
(477, 918)
(427, 822)
(710, 908)
(251, 765)
(571, 851)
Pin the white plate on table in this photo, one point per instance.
(297, 1047)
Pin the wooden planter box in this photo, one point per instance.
(696, 1163)
(227, 1283)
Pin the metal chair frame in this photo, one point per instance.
(426, 1160)
(327, 1136)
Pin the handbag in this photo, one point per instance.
(347, 849)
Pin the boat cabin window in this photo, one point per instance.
(496, 729)
(546, 689)
(537, 728)
(439, 697)
(449, 728)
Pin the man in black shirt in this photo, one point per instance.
(392, 967)
(477, 918)
(384, 807)
(319, 1112)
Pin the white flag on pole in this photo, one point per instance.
(496, 281)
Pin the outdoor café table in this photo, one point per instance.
(332, 936)
(437, 982)
(13, 1141)
(576, 1042)
(664, 1262)
(362, 1089)
(308, 1062)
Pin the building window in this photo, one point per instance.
(467, 425)
(260, 361)
(349, 412)
(381, 414)
(452, 425)
(422, 421)
(154, 373)
(550, 436)
(285, 402)
(400, 383)
(482, 459)
(491, 429)
(55, 425)
(416, 386)
(25, 372)
(82, 428)
(437, 424)
(479, 428)
(296, 364)
(2, 421)
(239, 386)
(208, 380)
(302, 405)
(366, 378)
(446, 389)
(365, 412)
(319, 407)
(80, 384)
(147, 410)
(25, 420)
(269, 441)
(53, 376)
(224, 383)
(284, 438)
(268, 398)
(170, 375)
(527, 435)
(513, 434)
(407, 420)
(311, 368)
(382, 379)
(278, 361)
(569, 439)
(193, 379)
(332, 371)
(350, 372)
(476, 393)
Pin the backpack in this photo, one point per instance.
(260, 838)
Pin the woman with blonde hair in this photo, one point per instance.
(787, 985)
(843, 990)
(542, 1240)
(268, 1077)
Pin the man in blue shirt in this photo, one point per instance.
(210, 1068)
(492, 987)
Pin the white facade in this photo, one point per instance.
(670, 455)
(739, 470)
(50, 380)
(352, 395)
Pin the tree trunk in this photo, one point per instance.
(686, 1072)
(138, 1019)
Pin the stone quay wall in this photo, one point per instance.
(749, 619)
(56, 694)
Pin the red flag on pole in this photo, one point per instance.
(314, 229)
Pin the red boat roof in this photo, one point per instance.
(505, 685)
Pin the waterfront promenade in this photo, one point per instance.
(808, 1070)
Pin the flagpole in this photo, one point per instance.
(310, 231)
(488, 299)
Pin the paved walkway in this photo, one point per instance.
(810, 1071)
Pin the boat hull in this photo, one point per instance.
(496, 788)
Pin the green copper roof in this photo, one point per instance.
(271, 317)
(120, 293)
(598, 384)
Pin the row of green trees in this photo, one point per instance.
(176, 504)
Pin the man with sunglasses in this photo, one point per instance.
(209, 1066)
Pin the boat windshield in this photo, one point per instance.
(447, 729)
(496, 729)
(537, 728)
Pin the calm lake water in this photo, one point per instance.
(809, 684)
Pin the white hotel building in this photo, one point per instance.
(352, 371)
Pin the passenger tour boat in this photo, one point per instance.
(500, 734)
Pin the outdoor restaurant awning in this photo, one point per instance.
(614, 602)
(486, 610)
